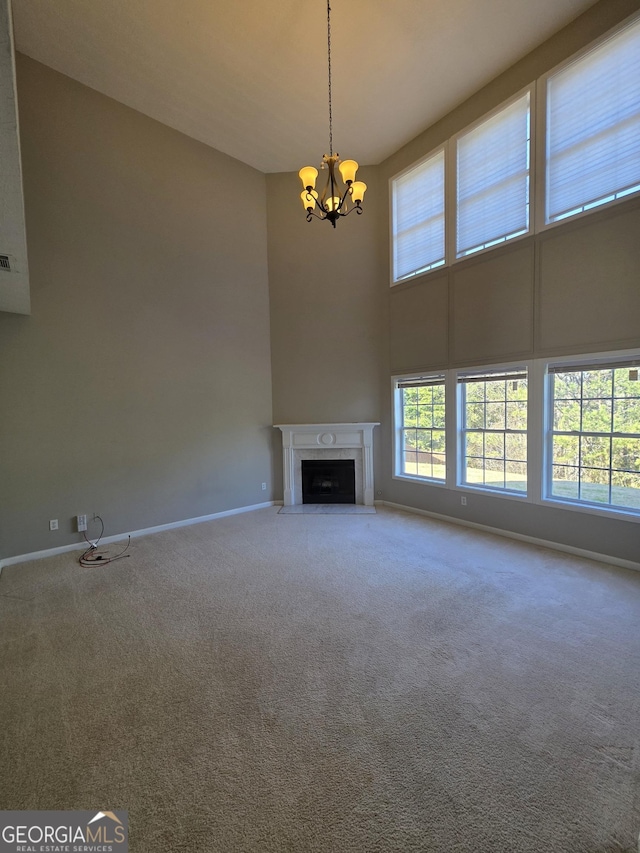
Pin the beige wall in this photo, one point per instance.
(571, 289)
(328, 327)
(140, 387)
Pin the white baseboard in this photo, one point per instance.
(533, 540)
(119, 537)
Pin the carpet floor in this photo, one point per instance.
(328, 683)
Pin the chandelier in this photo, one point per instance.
(337, 199)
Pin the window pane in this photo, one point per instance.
(422, 441)
(567, 386)
(566, 416)
(627, 382)
(475, 392)
(517, 415)
(595, 452)
(494, 445)
(410, 463)
(493, 179)
(625, 490)
(475, 444)
(475, 415)
(474, 471)
(565, 482)
(495, 418)
(626, 415)
(425, 416)
(566, 450)
(516, 447)
(493, 457)
(626, 454)
(594, 485)
(597, 383)
(438, 416)
(600, 464)
(596, 415)
(593, 126)
(516, 476)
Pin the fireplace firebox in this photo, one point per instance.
(328, 481)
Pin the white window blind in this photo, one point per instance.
(593, 127)
(493, 179)
(418, 219)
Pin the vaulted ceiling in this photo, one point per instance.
(249, 77)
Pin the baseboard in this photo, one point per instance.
(119, 537)
(521, 537)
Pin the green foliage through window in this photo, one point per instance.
(494, 430)
(595, 437)
(423, 428)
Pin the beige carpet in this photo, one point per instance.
(328, 683)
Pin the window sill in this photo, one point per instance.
(603, 512)
(407, 478)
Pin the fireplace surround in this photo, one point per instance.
(327, 441)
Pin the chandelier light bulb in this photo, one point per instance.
(309, 198)
(358, 189)
(308, 177)
(348, 169)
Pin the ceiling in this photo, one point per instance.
(249, 77)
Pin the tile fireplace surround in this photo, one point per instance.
(327, 441)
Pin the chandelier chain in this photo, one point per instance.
(329, 57)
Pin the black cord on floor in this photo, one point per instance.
(91, 557)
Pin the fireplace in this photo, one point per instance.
(350, 442)
(328, 481)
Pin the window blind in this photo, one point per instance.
(418, 218)
(493, 179)
(593, 126)
(591, 366)
(421, 382)
(501, 376)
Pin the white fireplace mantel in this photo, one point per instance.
(313, 441)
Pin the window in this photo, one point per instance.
(493, 430)
(590, 157)
(493, 163)
(593, 127)
(420, 424)
(584, 454)
(593, 434)
(418, 219)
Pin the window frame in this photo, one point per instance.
(398, 426)
(540, 133)
(531, 90)
(444, 149)
(524, 365)
(538, 408)
(606, 360)
(537, 180)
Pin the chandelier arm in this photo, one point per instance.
(311, 213)
(342, 200)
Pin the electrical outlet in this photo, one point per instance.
(82, 522)
(463, 501)
(53, 524)
(264, 487)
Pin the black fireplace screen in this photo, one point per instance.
(328, 481)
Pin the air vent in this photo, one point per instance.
(5, 263)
